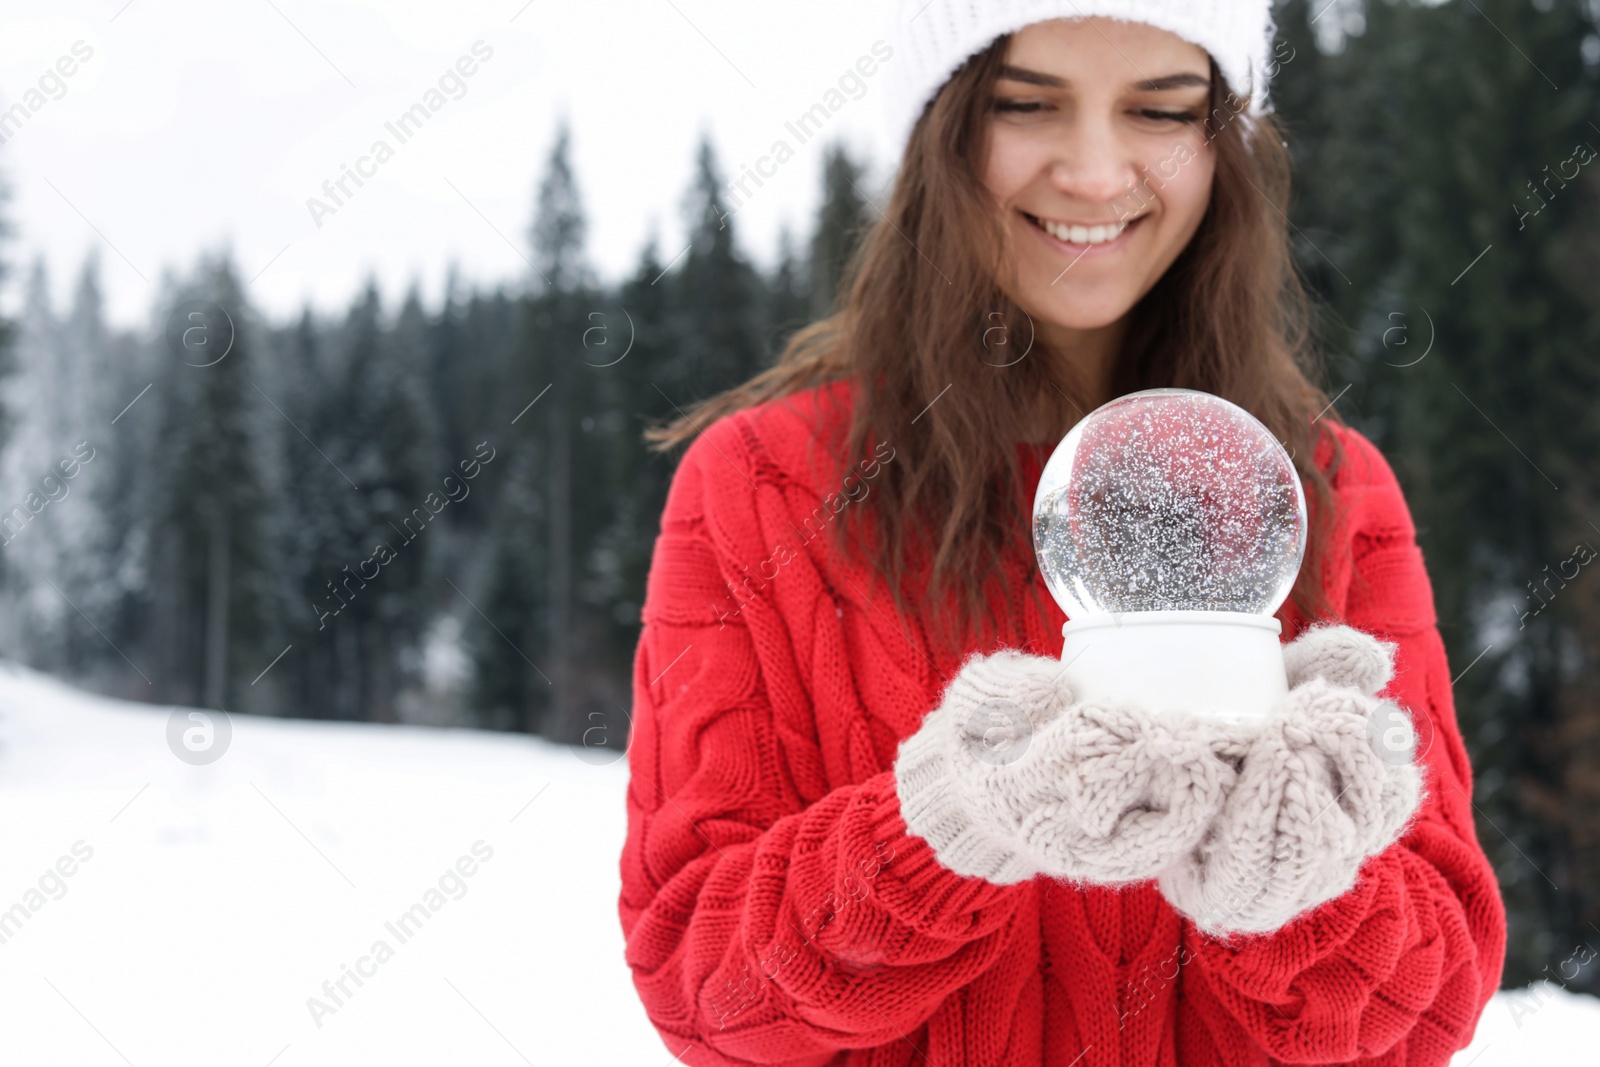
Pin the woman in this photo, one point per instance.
(824, 864)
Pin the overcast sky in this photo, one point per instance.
(186, 126)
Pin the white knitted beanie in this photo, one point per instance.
(933, 38)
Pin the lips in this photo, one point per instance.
(1077, 239)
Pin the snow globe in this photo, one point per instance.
(1170, 525)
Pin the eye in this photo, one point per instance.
(1168, 116)
(1019, 106)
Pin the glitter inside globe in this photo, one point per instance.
(1169, 500)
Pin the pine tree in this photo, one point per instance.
(641, 476)
(75, 526)
(560, 229)
(841, 221)
(34, 613)
(503, 577)
(540, 688)
(208, 500)
(473, 357)
(718, 298)
(504, 633)
(120, 486)
(382, 442)
(311, 499)
(557, 238)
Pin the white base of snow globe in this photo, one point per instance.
(1226, 665)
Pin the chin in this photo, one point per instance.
(1071, 313)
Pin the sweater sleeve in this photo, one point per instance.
(1398, 969)
(764, 925)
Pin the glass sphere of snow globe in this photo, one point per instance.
(1170, 525)
(1169, 499)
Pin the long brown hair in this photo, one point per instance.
(920, 295)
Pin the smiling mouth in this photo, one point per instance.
(1078, 234)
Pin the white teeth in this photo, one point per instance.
(1084, 235)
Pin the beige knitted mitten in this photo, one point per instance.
(1009, 778)
(1330, 783)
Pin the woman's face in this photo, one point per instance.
(1099, 159)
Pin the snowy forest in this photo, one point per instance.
(191, 513)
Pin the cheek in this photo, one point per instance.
(1009, 166)
(1186, 196)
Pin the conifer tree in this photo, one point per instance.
(312, 500)
(382, 443)
(718, 297)
(208, 499)
(841, 222)
(642, 475)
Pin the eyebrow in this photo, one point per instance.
(1184, 80)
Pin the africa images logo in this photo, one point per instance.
(199, 736)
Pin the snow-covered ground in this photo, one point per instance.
(216, 900)
(183, 914)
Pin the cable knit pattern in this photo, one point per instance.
(1340, 655)
(970, 805)
(1081, 792)
(777, 908)
(1317, 794)
(1246, 828)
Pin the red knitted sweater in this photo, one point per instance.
(777, 911)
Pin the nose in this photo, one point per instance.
(1091, 163)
